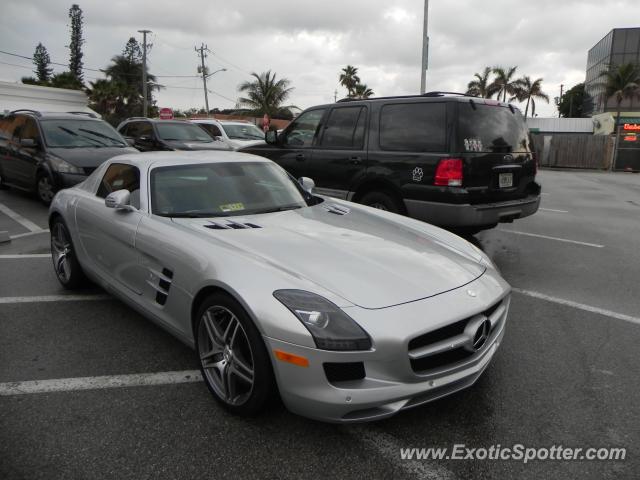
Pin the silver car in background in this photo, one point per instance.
(347, 312)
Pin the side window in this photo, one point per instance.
(211, 129)
(30, 130)
(343, 129)
(145, 130)
(303, 129)
(6, 127)
(118, 177)
(130, 130)
(413, 127)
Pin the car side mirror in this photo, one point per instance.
(271, 137)
(120, 200)
(145, 139)
(307, 184)
(28, 143)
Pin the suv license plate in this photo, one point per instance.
(505, 180)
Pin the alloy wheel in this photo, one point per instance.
(61, 251)
(226, 356)
(45, 189)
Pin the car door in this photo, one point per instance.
(7, 160)
(27, 158)
(295, 145)
(107, 235)
(339, 159)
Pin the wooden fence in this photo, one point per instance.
(567, 150)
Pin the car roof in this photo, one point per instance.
(428, 97)
(145, 160)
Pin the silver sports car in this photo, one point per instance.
(347, 312)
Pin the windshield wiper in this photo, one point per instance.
(102, 135)
(284, 208)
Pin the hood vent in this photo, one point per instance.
(231, 225)
(336, 209)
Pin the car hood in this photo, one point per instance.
(366, 259)
(215, 145)
(89, 157)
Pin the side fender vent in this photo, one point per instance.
(161, 283)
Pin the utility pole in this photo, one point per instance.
(560, 101)
(145, 103)
(203, 48)
(425, 49)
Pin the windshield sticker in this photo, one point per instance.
(473, 145)
(417, 174)
(232, 207)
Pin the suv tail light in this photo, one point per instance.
(449, 173)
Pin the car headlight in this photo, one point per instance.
(61, 166)
(330, 327)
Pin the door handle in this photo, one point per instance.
(355, 160)
(300, 157)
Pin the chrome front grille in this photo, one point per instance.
(458, 343)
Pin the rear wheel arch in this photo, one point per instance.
(382, 186)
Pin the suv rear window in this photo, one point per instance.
(414, 127)
(491, 128)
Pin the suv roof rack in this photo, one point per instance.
(442, 94)
(428, 94)
(35, 112)
(88, 114)
(136, 118)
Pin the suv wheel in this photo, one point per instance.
(383, 201)
(44, 188)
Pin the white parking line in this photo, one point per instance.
(553, 210)
(580, 306)
(24, 255)
(28, 234)
(55, 298)
(26, 223)
(388, 447)
(96, 383)
(557, 239)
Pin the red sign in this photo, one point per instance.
(632, 126)
(166, 114)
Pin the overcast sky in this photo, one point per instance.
(309, 42)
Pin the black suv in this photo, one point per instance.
(152, 134)
(449, 159)
(44, 152)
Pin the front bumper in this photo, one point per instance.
(467, 215)
(390, 382)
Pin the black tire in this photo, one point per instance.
(225, 360)
(3, 186)
(65, 263)
(383, 201)
(45, 188)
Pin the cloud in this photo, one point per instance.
(310, 41)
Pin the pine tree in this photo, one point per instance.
(132, 51)
(75, 58)
(42, 61)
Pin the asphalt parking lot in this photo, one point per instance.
(117, 397)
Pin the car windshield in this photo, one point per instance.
(243, 132)
(491, 128)
(182, 132)
(223, 189)
(80, 133)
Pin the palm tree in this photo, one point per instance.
(266, 94)
(529, 91)
(349, 79)
(481, 87)
(504, 83)
(362, 91)
(621, 82)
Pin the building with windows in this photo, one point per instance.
(620, 45)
